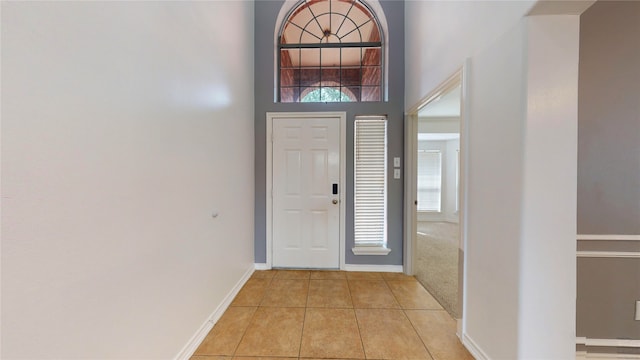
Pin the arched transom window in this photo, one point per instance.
(330, 51)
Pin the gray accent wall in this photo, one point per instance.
(265, 23)
(609, 169)
(609, 119)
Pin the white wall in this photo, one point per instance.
(440, 35)
(495, 125)
(547, 256)
(124, 125)
(522, 84)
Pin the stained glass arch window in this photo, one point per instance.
(330, 44)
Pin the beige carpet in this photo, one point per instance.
(437, 262)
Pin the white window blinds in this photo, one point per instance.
(370, 181)
(429, 180)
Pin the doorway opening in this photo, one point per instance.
(435, 224)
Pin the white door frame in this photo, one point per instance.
(342, 116)
(410, 175)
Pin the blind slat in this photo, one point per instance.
(370, 182)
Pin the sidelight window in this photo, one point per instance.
(370, 178)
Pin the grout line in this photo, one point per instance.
(364, 350)
(245, 330)
(304, 318)
(418, 334)
(266, 290)
(395, 298)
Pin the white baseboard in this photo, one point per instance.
(352, 267)
(609, 254)
(191, 346)
(583, 355)
(608, 342)
(373, 268)
(580, 355)
(473, 348)
(612, 237)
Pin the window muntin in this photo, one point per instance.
(333, 44)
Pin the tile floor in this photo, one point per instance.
(312, 315)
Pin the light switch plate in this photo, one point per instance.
(396, 162)
(638, 310)
(396, 173)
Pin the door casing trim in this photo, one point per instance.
(342, 116)
(461, 76)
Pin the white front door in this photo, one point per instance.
(306, 187)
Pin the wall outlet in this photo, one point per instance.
(638, 310)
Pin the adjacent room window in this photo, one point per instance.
(330, 51)
(429, 180)
(370, 178)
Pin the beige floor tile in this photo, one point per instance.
(263, 274)
(397, 276)
(292, 274)
(331, 333)
(363, 275)
(252, 292)
(372, 294)
(388, 334)
(263, 358)
(329, 294)
(438, 331)
(286, 293)
(411, 295)
(328, 275)
(273, 332)
(210, 357)
(225, 336)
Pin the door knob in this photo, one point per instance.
(335, 201)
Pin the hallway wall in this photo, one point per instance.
(521, 80)
(444, 35)
(124, 126)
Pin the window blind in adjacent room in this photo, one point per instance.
(429, 180)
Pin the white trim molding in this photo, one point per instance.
(373, 268)
(583, 355)
(580, 355)
(262, 266)
(591, 237)
(608, 342)
(609, 254)
(370, 250)
(473, 348)
(197, 338)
